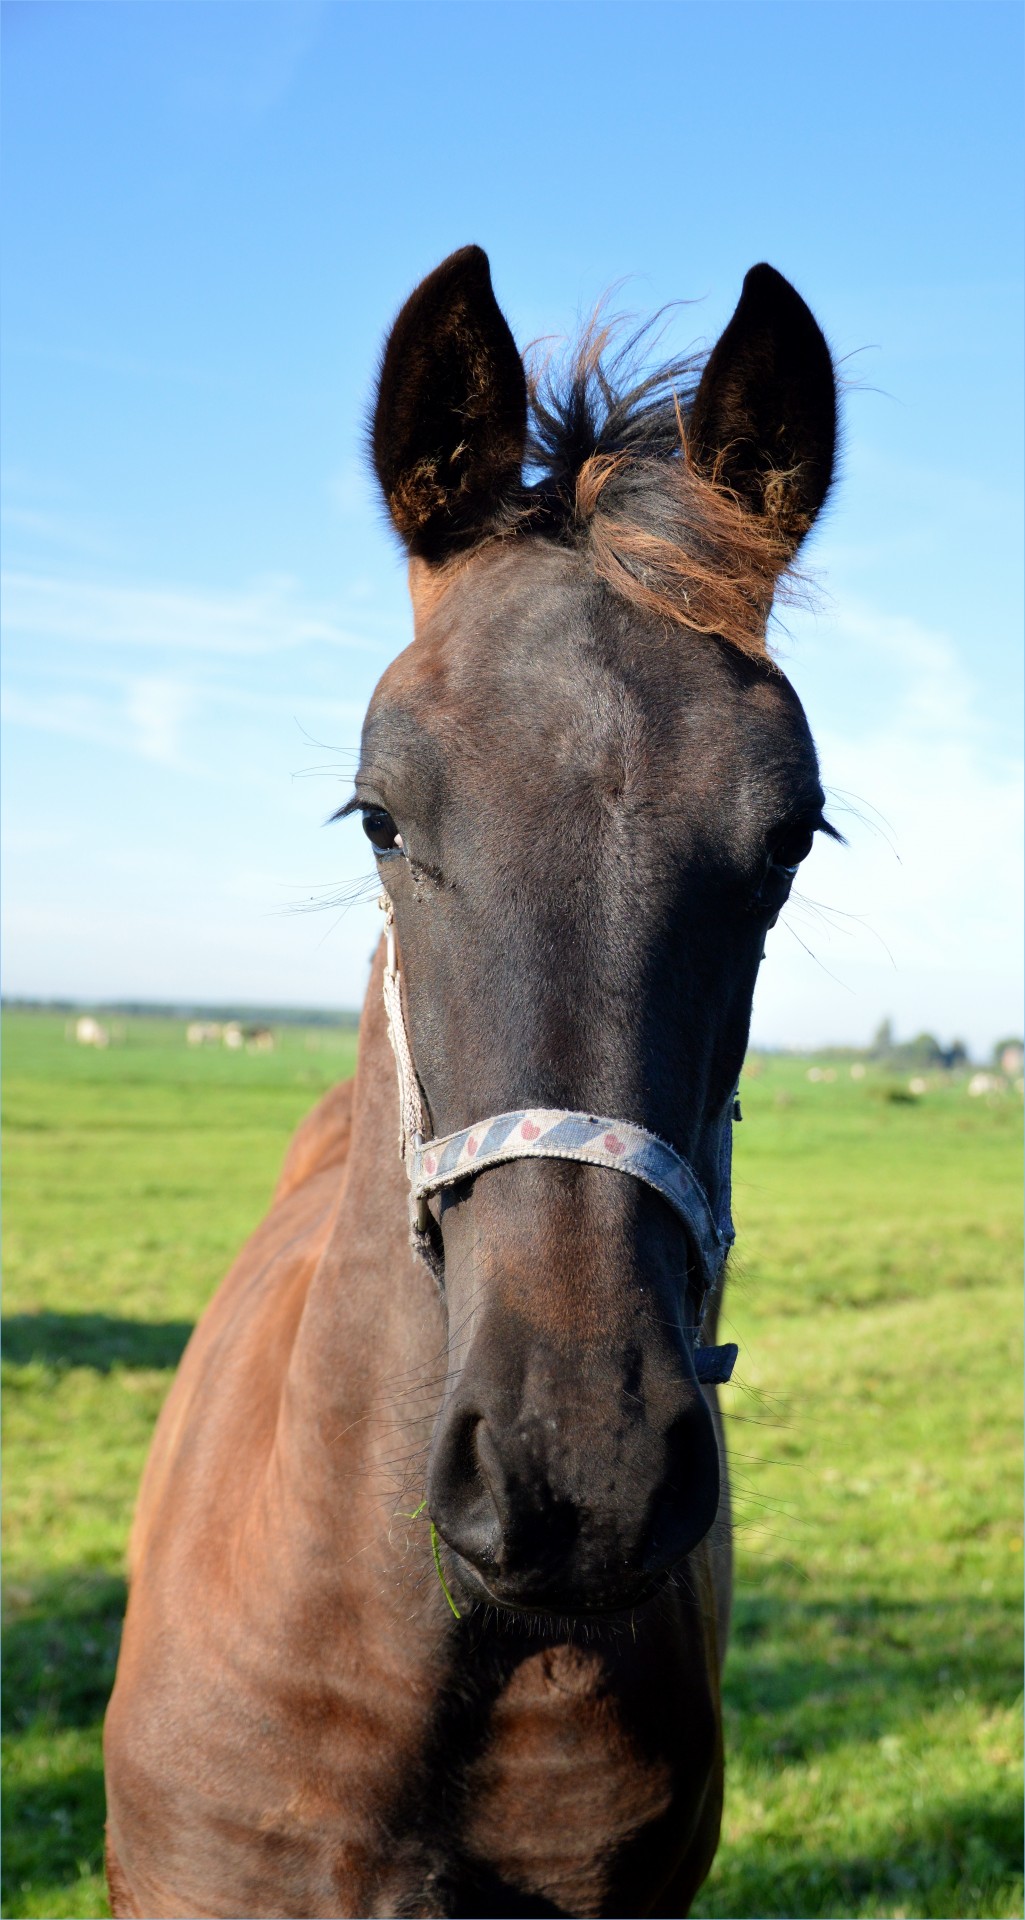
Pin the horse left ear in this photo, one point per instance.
(763, 420)
(450, 423)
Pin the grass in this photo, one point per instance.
(873, 1685)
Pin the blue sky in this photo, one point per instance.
(212, 213)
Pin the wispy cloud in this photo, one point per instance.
(934, 866)
(161, 718)
(28, 842)
(41, 520)
(42, 528)
(265, 618)
(157, 710)
(934, 694)
(147, 719)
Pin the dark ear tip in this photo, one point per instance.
(462, 276)
(762, 273)
(468, 264)
(765, 287)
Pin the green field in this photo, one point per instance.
(873, 1684)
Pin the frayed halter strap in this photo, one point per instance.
(553, 1133)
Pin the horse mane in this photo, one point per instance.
(617, 477)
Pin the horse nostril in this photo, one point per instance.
(686, 1503)
(464, 1488)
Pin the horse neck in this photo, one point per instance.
(364, 1379)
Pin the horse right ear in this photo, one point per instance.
(763, 420)
(450, 422)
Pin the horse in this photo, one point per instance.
(431, 1567)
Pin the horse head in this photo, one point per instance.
(588, 788)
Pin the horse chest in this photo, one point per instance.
(542, 1780)
(543, 1788)
(563, 1782)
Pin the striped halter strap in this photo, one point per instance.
(554, 1133)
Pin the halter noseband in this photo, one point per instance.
(553, 1133)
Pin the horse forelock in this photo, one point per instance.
(610, 471)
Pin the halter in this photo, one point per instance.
(553, 1133)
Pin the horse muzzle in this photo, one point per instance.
(578, 1509)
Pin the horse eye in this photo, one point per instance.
(794, 847)
(381, 831)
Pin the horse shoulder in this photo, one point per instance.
(265, 1286)
(320, 1141)
(234, 1366)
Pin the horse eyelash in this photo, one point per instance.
(351, 806)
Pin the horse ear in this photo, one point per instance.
(763, 420)
(450, 422)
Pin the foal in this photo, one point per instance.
(431, 1566)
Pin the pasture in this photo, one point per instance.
(872, 1691)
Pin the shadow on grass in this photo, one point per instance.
(962, 1857)
(819, 1674)
(52, 1834)
(806, 1679)
(60, 1651)
(98, 1340)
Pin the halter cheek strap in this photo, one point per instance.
(553, 1133)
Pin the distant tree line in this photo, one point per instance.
(925, 1051)
(193, 1010)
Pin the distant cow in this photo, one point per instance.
(202, 1033)
(255, 1039)
(89, 1033)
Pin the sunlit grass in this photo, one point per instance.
(872, 1685)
